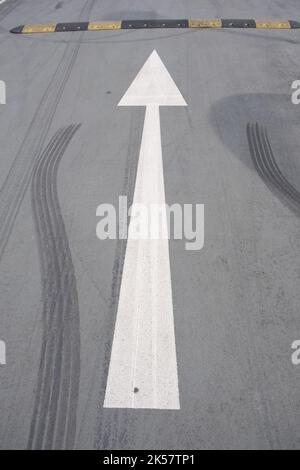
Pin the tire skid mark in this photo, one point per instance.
(54, 417)
(266, 166)
(45, 254)
(64, 414)
(50, 373)
(265, 163)
(18, 178)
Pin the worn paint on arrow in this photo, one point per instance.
(143, 364)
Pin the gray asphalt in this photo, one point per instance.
(236, 302)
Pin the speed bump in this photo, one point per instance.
(156, 24)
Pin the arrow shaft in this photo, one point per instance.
(149, 186)
(143, 366)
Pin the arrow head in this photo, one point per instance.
(153, 85)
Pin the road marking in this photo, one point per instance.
(143, 364)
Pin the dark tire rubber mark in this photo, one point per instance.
(53, 423)
(267, 167)
(18, 178)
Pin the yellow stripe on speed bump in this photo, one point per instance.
(273, 24)
(97, 25)
(205, 23)
(39, 28)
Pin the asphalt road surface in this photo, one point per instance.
(66, 147)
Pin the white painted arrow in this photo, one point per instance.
(143, 365)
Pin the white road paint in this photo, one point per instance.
(143, 364)
(2, 1)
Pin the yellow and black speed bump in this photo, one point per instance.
(149, 24)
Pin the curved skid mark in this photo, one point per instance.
(54, 417)
(265, 163)
(18, 178)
